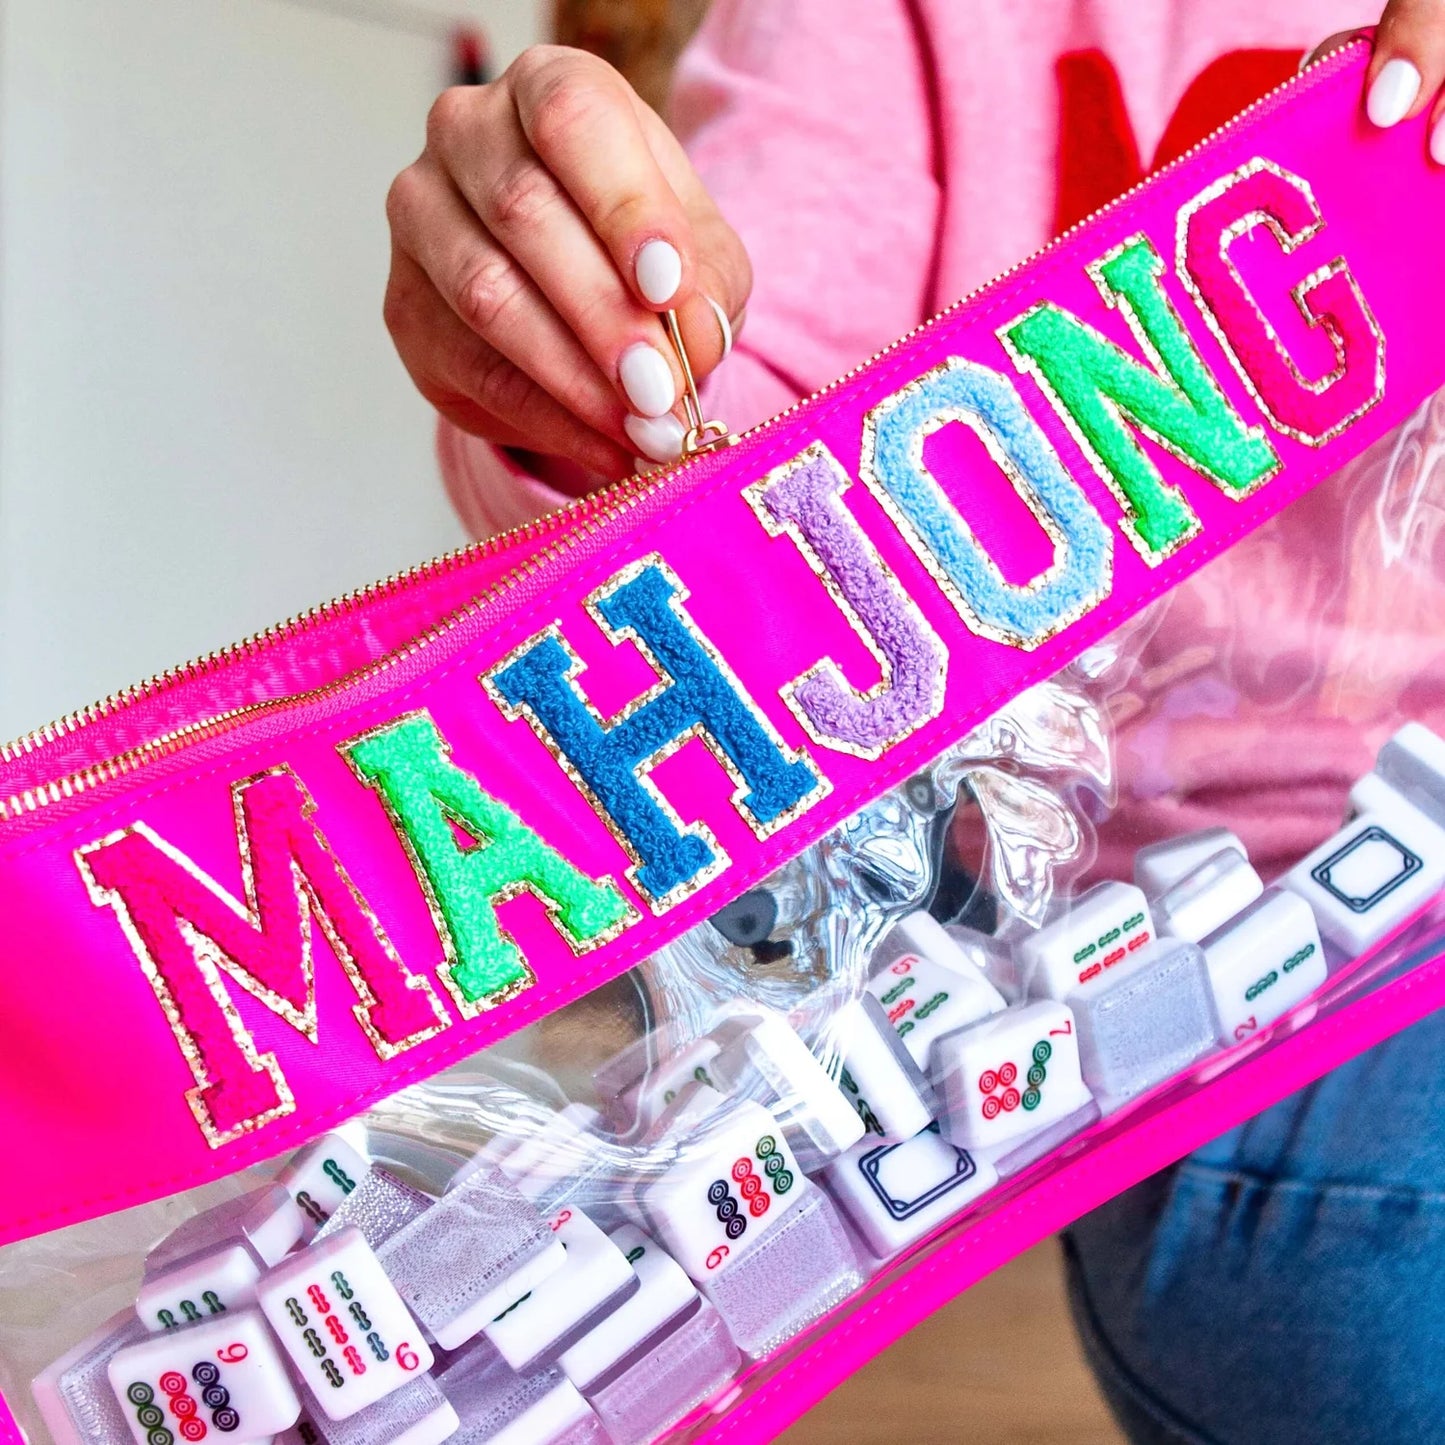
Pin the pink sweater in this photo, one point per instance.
(880, 158)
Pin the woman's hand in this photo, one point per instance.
(1407, 69)
(550, 219)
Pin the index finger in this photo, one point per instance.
(577, 113)
(1408, 63)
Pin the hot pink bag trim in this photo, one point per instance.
(95, 1073)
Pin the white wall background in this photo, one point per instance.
(203, 427)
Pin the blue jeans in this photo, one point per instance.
(1284, 1284)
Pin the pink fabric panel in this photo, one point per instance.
(90, 1076)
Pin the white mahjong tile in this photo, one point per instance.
(265, 1218)
(416, 1414)
(1159, 866)
(380, 1206)
(565, 1144)
(1092, 934)
(1014, 1155)
(617, 1073)
(804, 1098)
(878, 1075)
(697, 1107)
(895, 1194)
(1371, 792)
(1262, 963)
(586, 1168)
(664, 1293)
(350, 1337)
(803, 1266)
(925, 1000)
(319, 1177)
(992, 956)
(1372, 875)
(1010, 1074)
(73, 1393)
(1207, 897)
(224, 1377)
(469, 1255)
(1413, 763)
(205, 1285)
(921, 933)
(639, 1105)
(1406, 784)
(731, 1183)
(496, 1403)
(551, 1314)
(1144, 1021)
(556, 1415)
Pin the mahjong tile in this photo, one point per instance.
(925, 1000)
(761, 1046)
(416, 1414)
(1144, 1021)
(564, 1144)
(266, 1219)
(664, 1293)
(920, 932)
(1413, 763)
(615, 1075)
(1009, 1157)
(1372, 875)
(224, 1378)
(897, 1193)
(785, 1279)
(497, 1406)
(1010, 1074)
(1159, 866)
(541, 1322)
(1207, 897)
(878, 1075)
(349, 1336)
(604, 1193)
(731, 1183)
(571, 1160)
(379, 1206)
(638, 1106)
(74, 1395)
(693, 1361)
(992, 956)
(471, 1254)
(320, 1177)
(1374, 792)
(1370, 792)
(205, 1285)
(1093, 933)
(1262, 963)
(697, 1107)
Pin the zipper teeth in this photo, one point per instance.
(583, 516)
(280, 631)
(620, 498)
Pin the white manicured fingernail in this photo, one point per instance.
(647, 380)
(659, 271)
(724, 325)
(658, 437)
(1393, 93)
(1437, 142)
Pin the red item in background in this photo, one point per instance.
(471, 56)
(1098, 152)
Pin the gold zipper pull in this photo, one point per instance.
(702, 435)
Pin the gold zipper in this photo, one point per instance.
(583, 517)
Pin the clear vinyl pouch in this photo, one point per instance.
(1189, 848)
